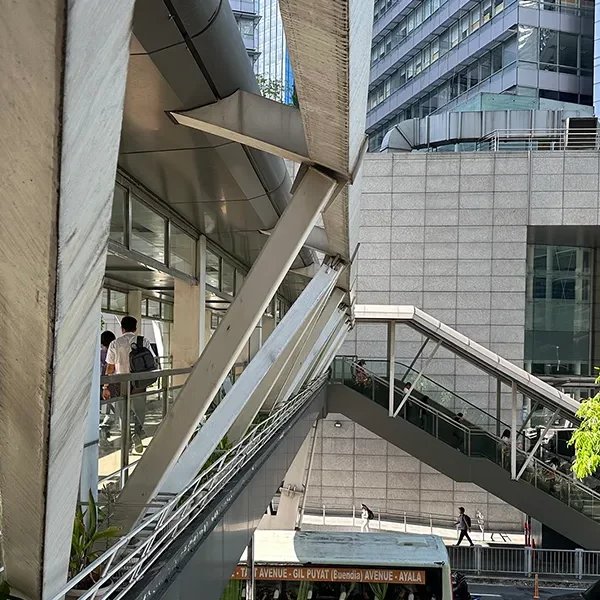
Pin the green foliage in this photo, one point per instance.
(5, 592)
(295, 97)
(586, 438)
(379, 589)
(87, 533)
(224, 446)
(233, 591)
(270, 88)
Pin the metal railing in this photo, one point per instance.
(129, 559)
(120, 413)
(539, 139)
(385, 517)
(472, 441)
(526, 562)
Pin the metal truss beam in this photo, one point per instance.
(313, 192)
(248, 393)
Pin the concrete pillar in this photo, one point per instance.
(186, 331)
(292, 491)
(134, 306)
(256, 340)
(62, 85)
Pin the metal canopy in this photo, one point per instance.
(474, 353)
(181, 58)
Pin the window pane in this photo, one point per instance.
(183, 251)
(496, 59)
(213, 270)
(587, 53)
(104, 299)
(228, 279)
(147, 231)
(153, 309)
(548, 48)
(118, 301)
(464, 27)
(486, 66)
(539, 287)
(166, 311)
(117, 220)
(239, 281)
(567, 53)
(473, 75)
(528, 43)
(498, 6)
(475, 16)
(487, 10)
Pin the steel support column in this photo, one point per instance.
(324, 328)
(313, 192)
(277, 364)
(537, 445)
(498, 406)
(513, 433)
(391, 339)
(245, 398)
(417, 379)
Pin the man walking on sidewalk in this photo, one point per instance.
(464, 526)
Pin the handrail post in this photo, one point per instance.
(323, 514)
(579, 562)
(404, 521)
(125, 434)
(165, 395)
(528, 560)
(430, 524)
(379, 518)
(353, 515)
(477, 550)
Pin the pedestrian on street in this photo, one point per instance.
(464, 526)
(366, 515)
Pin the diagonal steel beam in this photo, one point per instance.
(313, 192)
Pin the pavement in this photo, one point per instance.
(448, 534)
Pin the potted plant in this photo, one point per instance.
(85, 545)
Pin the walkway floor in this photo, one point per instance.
(448, 534)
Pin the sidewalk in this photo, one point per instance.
(448, 534)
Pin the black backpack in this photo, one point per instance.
(468, 520)
(141, 360)
(370, 515)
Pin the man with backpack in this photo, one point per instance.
(464, 526)
(131, 353)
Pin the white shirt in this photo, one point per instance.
(119, 349)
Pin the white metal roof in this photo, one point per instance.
(348, 548)
(471, 351)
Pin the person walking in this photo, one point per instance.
(105, 340)
(366, 515)
(464, 525)
(118, 361)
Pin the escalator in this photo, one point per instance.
(466, 449)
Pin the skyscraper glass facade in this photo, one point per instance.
(438, 53)
(274, 62)
(558, 320)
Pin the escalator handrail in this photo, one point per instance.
(469, 431)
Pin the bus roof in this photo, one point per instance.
(348, 548)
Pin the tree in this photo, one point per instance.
(586, 438)
(270, 88)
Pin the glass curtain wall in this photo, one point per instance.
(558, 319)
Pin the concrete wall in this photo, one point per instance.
(447, 233)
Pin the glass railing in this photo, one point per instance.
(466, 437)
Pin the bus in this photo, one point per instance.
(316, 565)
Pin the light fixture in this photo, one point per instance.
(337, 424)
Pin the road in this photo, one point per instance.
(511, 592)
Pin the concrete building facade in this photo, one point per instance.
(462, 236)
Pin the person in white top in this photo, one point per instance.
(364, 514)
(117, 361)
